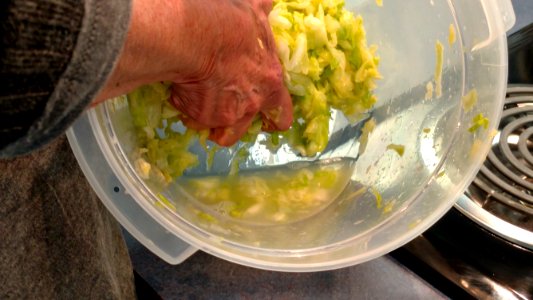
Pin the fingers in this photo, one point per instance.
(192, 123)
(278, 113)
(228, 136)
(206, 106)
(277, 116)
(275, 110)
(246, 80)
(229, 111)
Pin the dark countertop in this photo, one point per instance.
(203, 276)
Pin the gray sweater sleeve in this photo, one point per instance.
(55, 56)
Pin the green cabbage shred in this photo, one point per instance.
(479, 121)
(327, 64)
(271, 196)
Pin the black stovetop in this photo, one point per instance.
(460, 258)
(456, 255)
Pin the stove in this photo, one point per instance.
(483, 248)
(501, 196)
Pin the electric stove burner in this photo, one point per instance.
(501, 196)
(494, 262)
(483, 248)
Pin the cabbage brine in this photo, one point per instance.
(273, 195)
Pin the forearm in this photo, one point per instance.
(219, 55)
(147, 49)
(164, 38)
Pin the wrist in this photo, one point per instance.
(149, 53)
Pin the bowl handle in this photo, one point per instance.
(495, 10)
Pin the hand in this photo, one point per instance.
(221, 56)
(231, 72)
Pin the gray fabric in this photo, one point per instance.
(57, 240)
(98, 45)
(37, 38)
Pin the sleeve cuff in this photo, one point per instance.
(100, 41)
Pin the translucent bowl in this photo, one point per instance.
(385, 199)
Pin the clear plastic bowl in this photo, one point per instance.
(441, 154)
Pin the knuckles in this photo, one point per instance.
(242, 81)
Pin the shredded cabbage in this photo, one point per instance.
(479, 121)
(469, 100)
(367, 129)
(439, 51)
(326, 65)
(451, 35)
(166, 150)
(400, 149)
(377, 195)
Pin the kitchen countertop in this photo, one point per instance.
(203, 276)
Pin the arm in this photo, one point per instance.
(220, 55)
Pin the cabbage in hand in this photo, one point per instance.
(326, 65)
